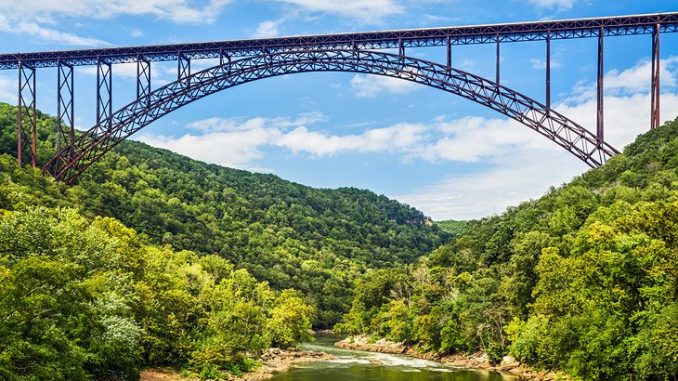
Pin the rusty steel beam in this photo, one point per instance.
(65, 112)
(27, 109)
(128, 120)
(600, 116)
(655, 91)
(548, 71)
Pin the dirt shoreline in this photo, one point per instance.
(473, 361)
(273, 361)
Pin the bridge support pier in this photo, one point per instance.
(183, 66)
(548, 72)
(655, 118)
(27, 112)
(449, 53)
(65, 113)
(104, 94)
(498, 63)
(143, 79)
(600, 131)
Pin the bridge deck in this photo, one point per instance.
(460, 35)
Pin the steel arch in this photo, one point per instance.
(131, 118)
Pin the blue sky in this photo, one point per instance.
(445, 155)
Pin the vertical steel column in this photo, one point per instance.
(401, 49)
(183, 66)
(498, 67)
(143, 79)
(655, 86)
(449, 53)
(600, 115)
(223, 57)
(65, 111)
(548, 72)
(104, 94)
(27, 105)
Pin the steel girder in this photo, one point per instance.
(65, 114)
(462, 35)
(143, 78)
(104, 105)
(27, 116)
(126, 121)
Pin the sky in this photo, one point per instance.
(445, 155)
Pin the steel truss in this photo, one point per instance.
(462, 35)
(104, 94)
(65, 114)
(138, 114)
(26, 116)
(143, 79)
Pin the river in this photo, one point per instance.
(349, 365)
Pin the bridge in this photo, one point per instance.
(244, 61)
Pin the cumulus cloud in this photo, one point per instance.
(514, 163)
(522, 166)
(238, 142)
(637, 78)
(394, 138)
(369, 86)
(633, 80)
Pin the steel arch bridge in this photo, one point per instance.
(245, 61)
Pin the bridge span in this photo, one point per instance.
(243, 61)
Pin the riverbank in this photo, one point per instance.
(273, 361)
(473, 361)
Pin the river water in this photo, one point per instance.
(349, 365)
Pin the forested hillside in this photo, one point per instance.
(313, 240)
(584, 279)
(85, 299)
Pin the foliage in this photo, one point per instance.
(584, 279)
(83, 299)
(313, 240)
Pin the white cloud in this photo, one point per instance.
(44, 33)
(136, 32)
(237, 148)
(524, 175)
(239, 142)
(394, 138)
(8, 90)
(37, 18)
(268, 28)
(633, 80)
(637, 78)
(372, 11)
(369, 86)
(516, 163)
(538, 63)
(470, 139)
(551, 4)
(522, 166)
(180, 11)
(161, 72)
